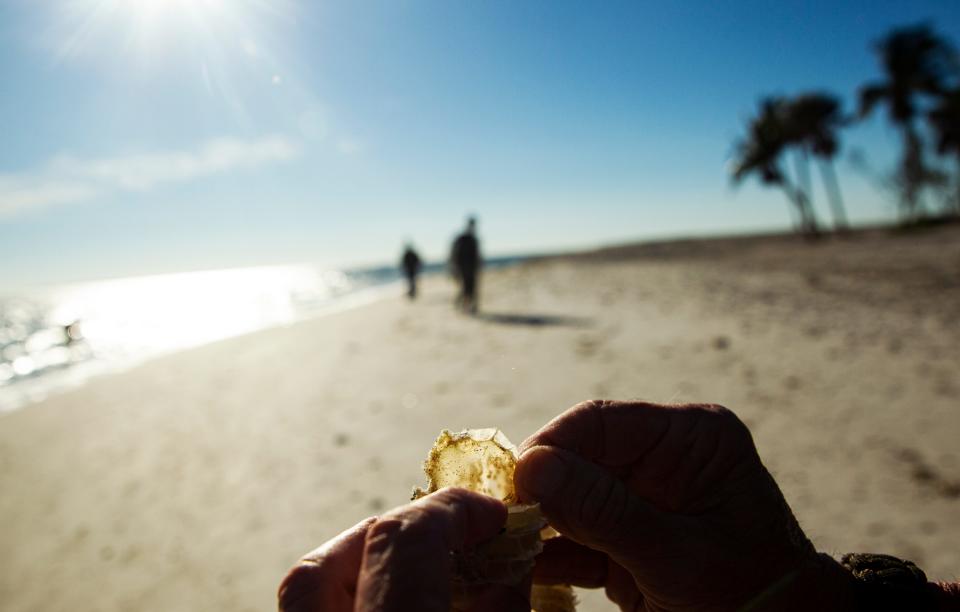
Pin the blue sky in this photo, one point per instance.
(145, 136)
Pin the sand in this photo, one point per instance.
(193, 481)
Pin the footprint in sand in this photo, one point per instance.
(792, 383)
(928, 527)
(587, 346)
(945, 387)
(877, 529)
(927, 475)
(721, 343)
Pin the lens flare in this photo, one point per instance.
(152, 28)
(236, 50)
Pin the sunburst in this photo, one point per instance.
(148, 29)
(228, 44)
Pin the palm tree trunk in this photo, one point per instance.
(800, 197)
(807, 222)
(796, 215)
(913, 172)
(803, 202)
(832, 186)
(801, 165)
(795, 218)
(957, 203)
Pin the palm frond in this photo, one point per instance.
(870, 96)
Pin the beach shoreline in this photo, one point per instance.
(57, 337)
(74, 373)
(193, 480)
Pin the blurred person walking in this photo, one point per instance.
(465, 263)
(410, 265)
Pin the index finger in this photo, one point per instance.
(406, 560)
(610, 433)
(326, 578)
(667, 454)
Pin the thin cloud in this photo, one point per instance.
(18, 195)
(349, 146)
(67, 180)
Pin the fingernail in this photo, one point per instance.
(540, 472)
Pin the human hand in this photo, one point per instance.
(399, 561)
(670, 509)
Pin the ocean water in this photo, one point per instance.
(57, 337)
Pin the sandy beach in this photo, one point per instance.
(193, 481)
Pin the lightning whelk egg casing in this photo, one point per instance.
(483, 460)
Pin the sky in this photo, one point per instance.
(149, 136)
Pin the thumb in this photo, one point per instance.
(588, 504)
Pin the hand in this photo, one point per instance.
(670, 509)
(399, 561)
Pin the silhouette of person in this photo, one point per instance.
(465, 261)
(410, 265)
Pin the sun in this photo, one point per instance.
(232, 50)
(147, 9)
(154, 7)
(149, 28)
(147, 17)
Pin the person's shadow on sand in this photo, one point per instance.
(534, 320)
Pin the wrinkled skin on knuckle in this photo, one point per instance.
(729, 426)
(603, 508)
(383, 538)
(577, 429)
(298, 583)
(317, 580)
(445, 514)
(733, 452)
(401, 552)
(404, 534)
(732, 481)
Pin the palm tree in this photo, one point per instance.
(945, 120)
(813, 121)
(759, 153)
(916, 62)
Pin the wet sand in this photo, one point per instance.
(193, 481)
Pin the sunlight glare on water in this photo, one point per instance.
(60, 336)
(160, 313)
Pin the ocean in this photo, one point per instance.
(57, 337)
